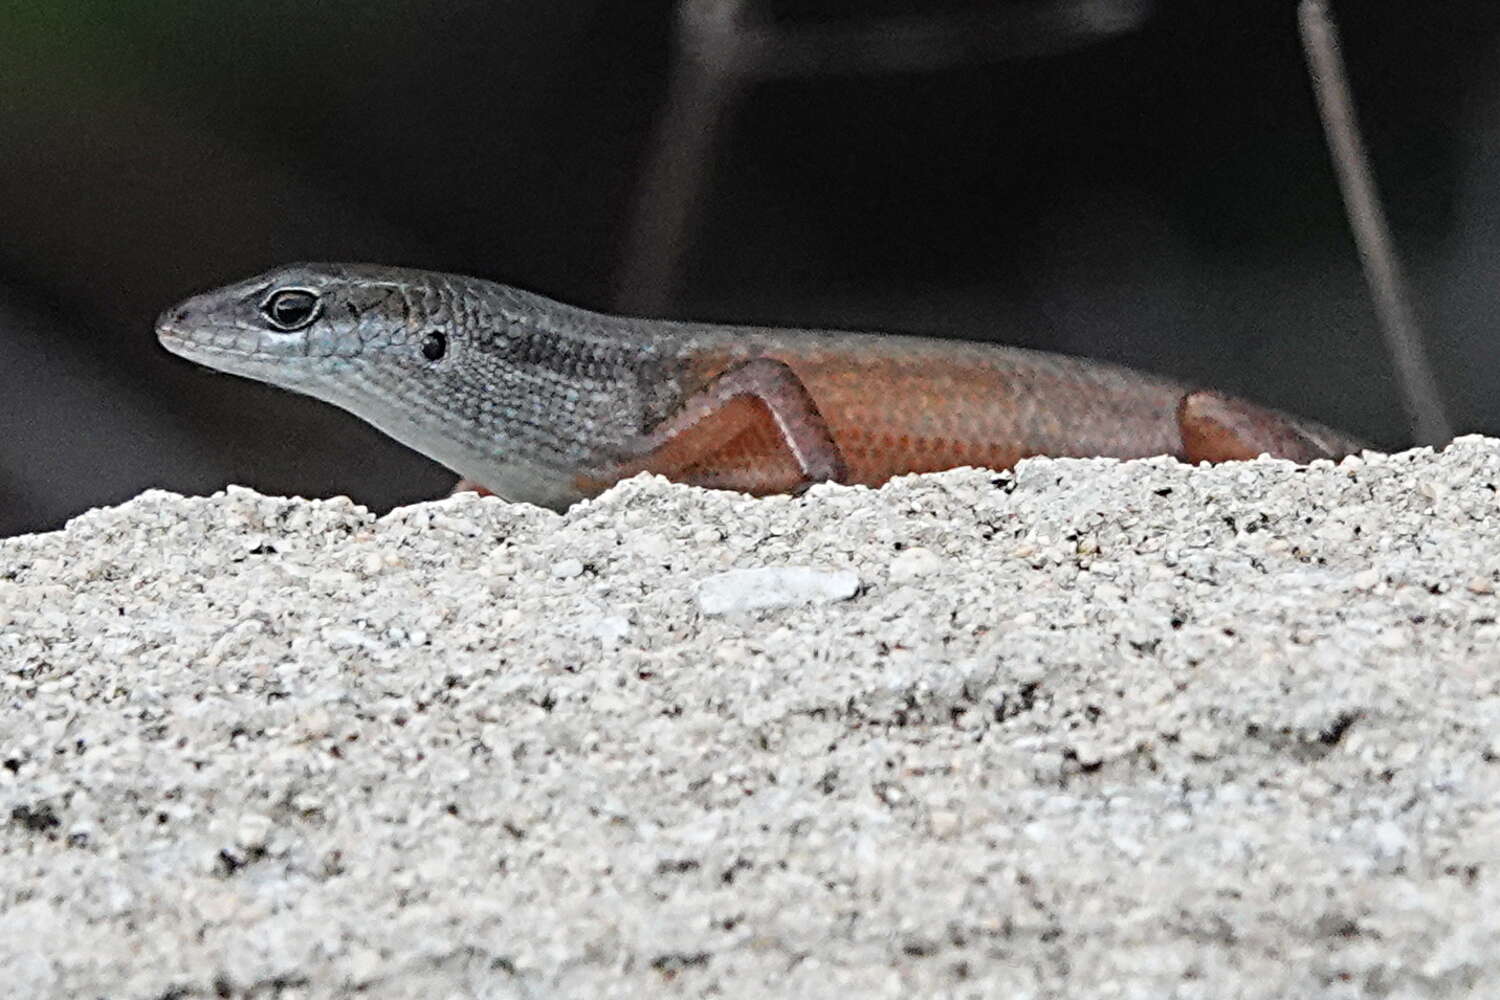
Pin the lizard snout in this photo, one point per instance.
(172, 318)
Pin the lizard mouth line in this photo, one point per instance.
(173, 335)
(190, 347)
(173, 340)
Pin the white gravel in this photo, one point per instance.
(1094, 729)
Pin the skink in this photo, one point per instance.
(547, 403)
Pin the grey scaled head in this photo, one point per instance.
(501, 386)
(309, 327)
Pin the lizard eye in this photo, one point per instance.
(290, 308)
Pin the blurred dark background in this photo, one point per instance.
(1134, 180)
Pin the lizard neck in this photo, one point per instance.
(531, 392)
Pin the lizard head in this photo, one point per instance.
(309, 326)
(472, 374)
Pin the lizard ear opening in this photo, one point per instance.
(291, 308)
(434, 346)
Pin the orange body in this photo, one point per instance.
(896, 405)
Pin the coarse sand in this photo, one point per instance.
(1087, 729)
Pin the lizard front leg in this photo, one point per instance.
(753, 428)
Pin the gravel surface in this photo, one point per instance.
(1090, 729)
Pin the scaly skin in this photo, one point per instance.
(546, 403)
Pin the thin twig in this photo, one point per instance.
(716, 56)
(1372, 234)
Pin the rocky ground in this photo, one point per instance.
(1090, 729)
